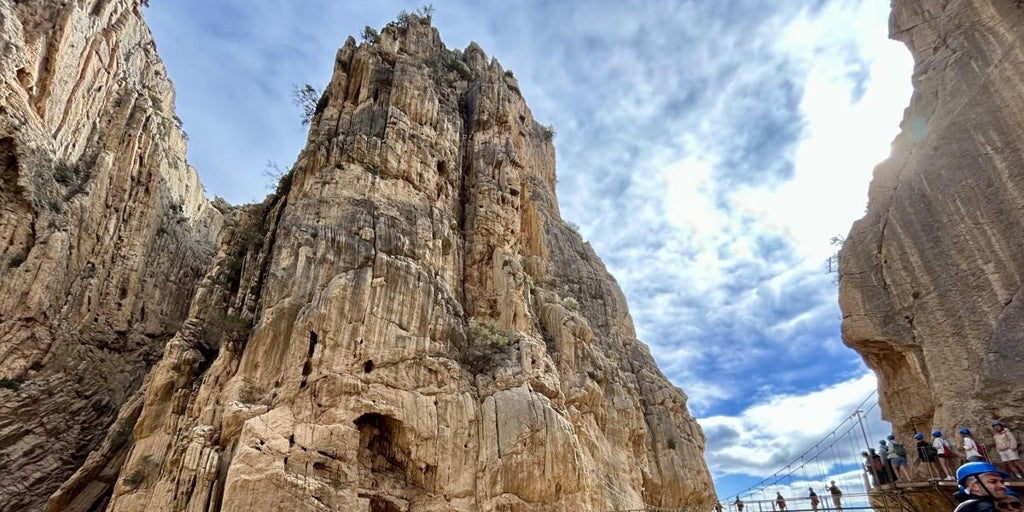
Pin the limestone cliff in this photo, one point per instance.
(930, 283)
(407, 324)
(104, 231)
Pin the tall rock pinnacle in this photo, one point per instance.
(407, 324)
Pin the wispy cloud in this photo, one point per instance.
(790, 442)
(707, 149)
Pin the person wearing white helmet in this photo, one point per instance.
(981, 487)
(1006, 445)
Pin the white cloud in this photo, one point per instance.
(796, 438)
(708, 171)
(841, 47)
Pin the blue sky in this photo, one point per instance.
(707, 149)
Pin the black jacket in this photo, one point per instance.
(972, 503)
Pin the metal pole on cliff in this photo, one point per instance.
(867, 444)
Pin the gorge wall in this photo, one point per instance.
(930, 278)
(104, 231)
(406, 324)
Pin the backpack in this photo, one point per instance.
(899, 449)
(946, 452)
(981, 450)
(927, 452)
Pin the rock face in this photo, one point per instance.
(407, 324)
(930, 284)
(104, 231)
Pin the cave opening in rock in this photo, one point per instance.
(378, 504)
(381, 444)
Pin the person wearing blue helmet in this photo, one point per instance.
(926, 453)
(972, 450)
(898, 458)
(1006, 445)
(943, 451)
(981, 487)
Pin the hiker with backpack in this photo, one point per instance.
(972, 450)
(926, 453)
(898, 458)
(943, 451)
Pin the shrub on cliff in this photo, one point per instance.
(486, 347)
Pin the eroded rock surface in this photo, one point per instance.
(407, 324)
(427, 334)
(104, 232)
(931, 276)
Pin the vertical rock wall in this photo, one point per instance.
(104, 231)
(408, 325)
(931, 276)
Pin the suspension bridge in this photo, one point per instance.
(837, 460)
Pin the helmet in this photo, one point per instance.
(882, 442)
(973, 469)
(919, 436)
(965, 431)
(891, 437)
(937, 433)
(997, 424)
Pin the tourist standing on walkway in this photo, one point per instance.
(981, 487)
(971, 449)
(1006, 445)
(780, 501)
(943, 451)
(926, 453)
(718, 506)
(898, 458)
(814, 499)
(883, 452)
(837, 495)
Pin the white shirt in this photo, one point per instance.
(970, 448)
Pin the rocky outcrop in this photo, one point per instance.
(406, 325)
(104, 232)
(931, 277)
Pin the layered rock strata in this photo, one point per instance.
(930, 284)
(407, 324)
(104, 231)
(427, 334)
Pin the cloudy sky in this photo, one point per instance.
(707, 149)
